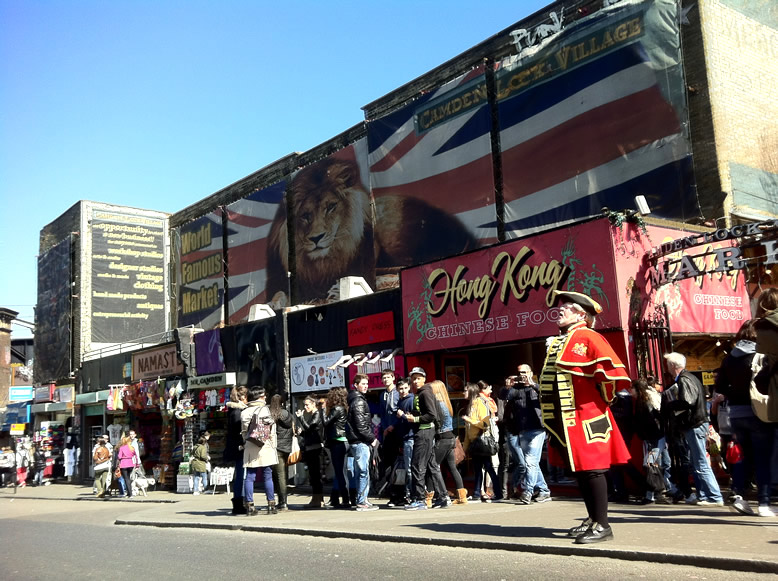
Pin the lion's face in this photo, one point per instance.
(330, 212)
(319, 220)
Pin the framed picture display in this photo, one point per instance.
(455, 372)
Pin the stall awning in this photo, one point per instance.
(92, 397)
(51, 407)
(15, 413)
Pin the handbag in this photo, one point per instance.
(117, 473)
(459, 451)
(655, 479)
(483, 445)
(761, 403)
(294, 455)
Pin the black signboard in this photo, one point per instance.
(128, 276)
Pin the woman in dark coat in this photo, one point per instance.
(337, 443)
(233, 449)
(310, 422)
(756, 438)
(284, 433)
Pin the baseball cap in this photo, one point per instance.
(417, 371)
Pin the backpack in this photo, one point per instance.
(258, 432)
(101, 455)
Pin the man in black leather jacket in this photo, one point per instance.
(691, 416)
(361, 439)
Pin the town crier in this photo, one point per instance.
(580, 377)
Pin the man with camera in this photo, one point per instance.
(532, 436)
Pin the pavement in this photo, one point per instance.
(709, 537)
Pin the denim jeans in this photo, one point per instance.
(198, 478)
(251, 476)
(361, 470)
(532, 446)
(756, 439)
(407, 456)
(238, 477)
(666, 464)
(519, 462)
(122, 487)
(707, 486)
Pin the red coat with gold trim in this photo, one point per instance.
(580, 378)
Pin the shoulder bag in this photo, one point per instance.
(485, 443)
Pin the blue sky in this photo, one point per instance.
(159, 104)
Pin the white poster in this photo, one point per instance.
(313, 373)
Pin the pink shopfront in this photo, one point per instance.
(479, 315)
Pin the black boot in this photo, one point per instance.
(238, 507)
(334, 500)
(346, 502)
(352, 496)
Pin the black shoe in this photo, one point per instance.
(580, 529)
(595, 534)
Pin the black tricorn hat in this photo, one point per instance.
(586, 302)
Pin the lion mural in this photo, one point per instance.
(338, 232)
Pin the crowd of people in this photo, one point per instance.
(116, 464)
(584, 415)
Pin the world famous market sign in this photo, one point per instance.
(506, 292)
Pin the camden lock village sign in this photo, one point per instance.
(678, 266)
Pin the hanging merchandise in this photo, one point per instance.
(185, 406)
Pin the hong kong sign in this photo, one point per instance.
(505, 293)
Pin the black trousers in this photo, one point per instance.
(594, 489)
(422, 462)
(313, 461)
(444, 456)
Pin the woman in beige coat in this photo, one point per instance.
(258, 458)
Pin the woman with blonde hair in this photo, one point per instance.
(478, 421)
(127, 459)
(447, 439)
